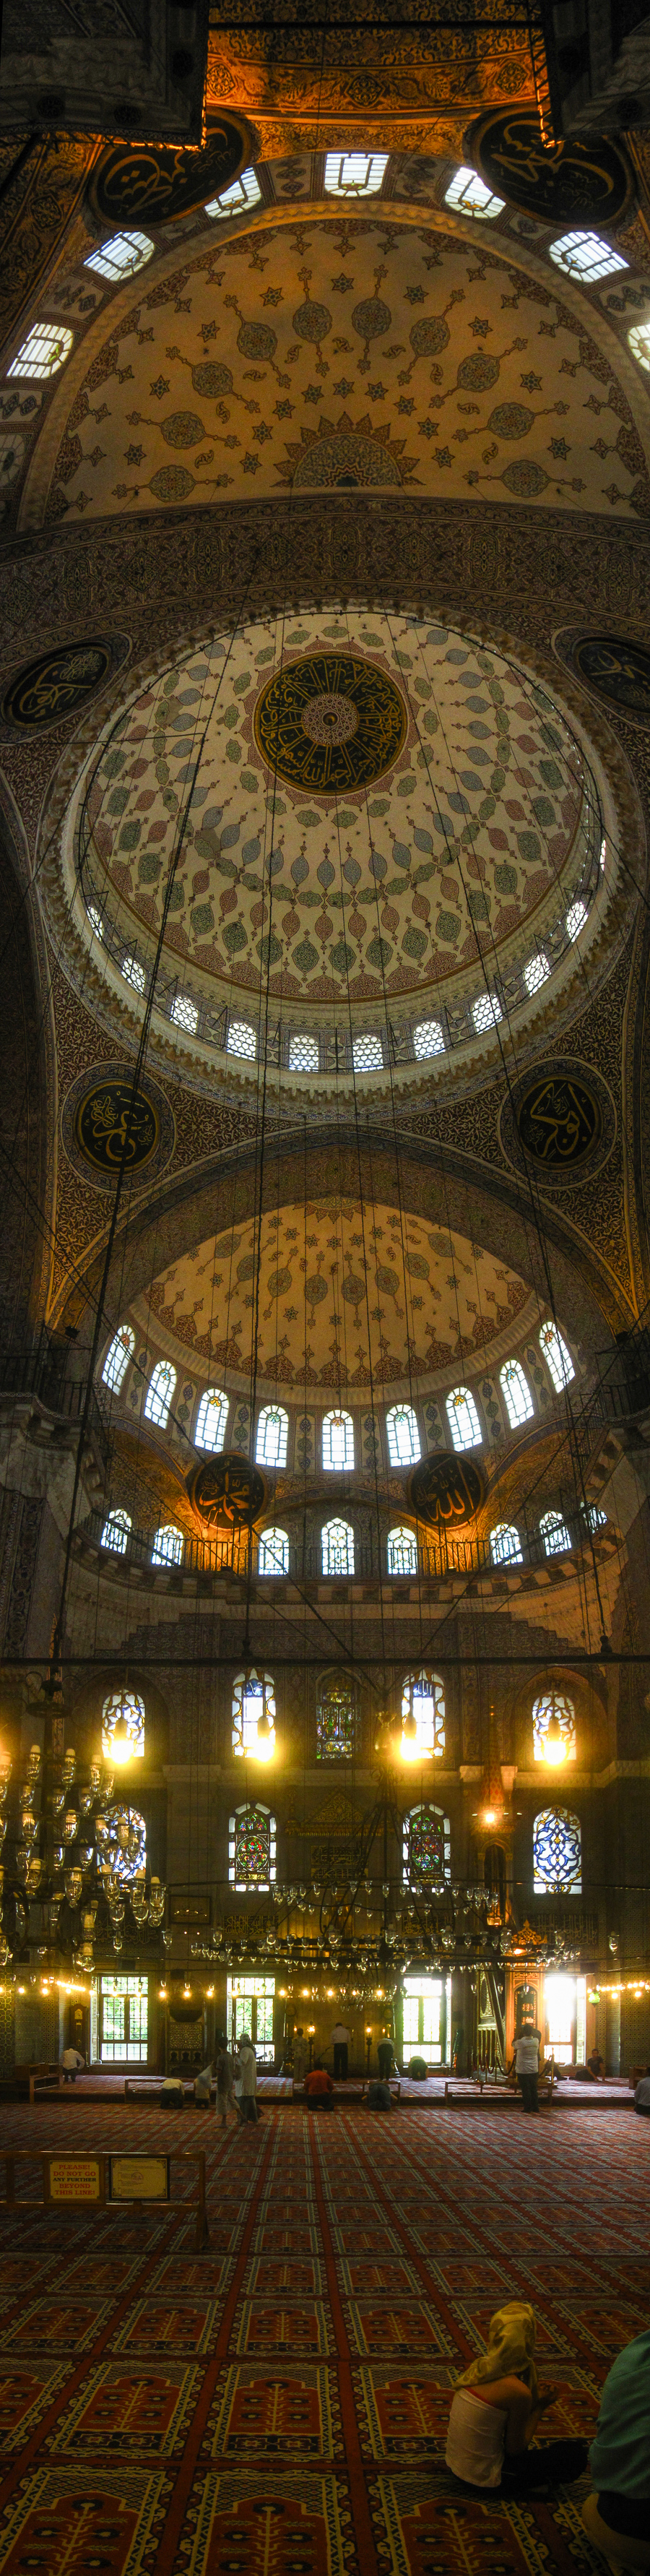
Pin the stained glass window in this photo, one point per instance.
(337, 1547)
(426, 1847)
(273, 1553)
(159, 1393)
(272, 1436)
(115, 1532)
(402, 1551)
(337, 1719)
(463, 1419)
(423, 1693)
(253, 1696)
(404, 1446)
(557, 1845)
(211, 1419)
(117, 1359)
(516, 1393)
(251, 1847)
(338, 1440)
(123, 1845)
(123, 1706)
(555, 1711)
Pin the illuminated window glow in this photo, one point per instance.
(336, 1720)
(338, 1441)
(557, 1853)
(337, 1548)
(404, 1445)
(251, 1852)
(303, 1053)
(505, 1544)
(585, 256)
(558, 1359)
(486, 1012)
(516, 1393)
(423, 1696)
(185, 1013)
(463, 1419)
(273, 1552)
(117, 1359)
(367, 1056)
(535, 973)
(470, 196)
(253, 1697)
(168, 1545)
(245, 192)
(241, 1040)
(354, 174)
(426, 1848)
(120, 257)
(211, 1420)
(639, 343)
(116, 1531)
(553, 1530)
(272, 1436)
(96, 922)
(133, 973)
(555, 1711)
(402, 1551)
(428, 1039)
(45, 350)
(159, 1393)
(575, 920)
(123, 1705)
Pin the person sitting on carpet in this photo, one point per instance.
(595, 2067)
(379, 2095)
(318, 2085)
(617, 2514)
(495, 2412)
(642, 2095)
(172, 2095)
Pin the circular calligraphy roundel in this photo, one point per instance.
(447, 1490)
(560, 182)
(559, 1120)
(156, 181)
(112, 1128)
(227, 1490)
(330, 723)
(619, 671)
(57, 685)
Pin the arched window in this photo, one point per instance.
(557, 1847)
(46, 348)
(426, 1848)
(553, 1530)
(558, 1359)
(423, 1698)
(516, 1393)
(253, 1698)
(554, 1728)
(122, 1711)
(168, 1545)
(337, 1541)
(404, 1444)
(585, 255)
(273, 1552)
(338, 1440)
(337, 1718)
(122, 1841)
(211, 1419)
(251, 1847)
(505, 1544)
(120, 257)
(159, 1393)
(272, 1436)
(402, 1551)
(117, 1359)
(115, 1532)
(463, 1419)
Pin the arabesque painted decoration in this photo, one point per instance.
(330, 723)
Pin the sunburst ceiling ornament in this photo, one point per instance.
(330, 723)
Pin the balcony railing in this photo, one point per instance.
(43, 1374)
(236, 1553)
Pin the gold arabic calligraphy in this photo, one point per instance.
(553, 180)
(558, 1120)
(447, 1489)
(112, 1127)
(161, 180)
(330, 722)
(229, 1489)
(56, 685)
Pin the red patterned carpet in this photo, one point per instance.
(277, 2405)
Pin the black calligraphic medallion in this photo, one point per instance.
(560, 182)
(559, 1120)
(620, 672)
(111, 1128)
(56, 685)
(153, 182)
(330, 723)
(227, 1489)
(447, 1490)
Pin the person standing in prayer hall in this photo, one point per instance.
(496, 2408)
(617, 2514)
(247, 2061)
(527, 2066)
(225, 2081)
(340, 2038)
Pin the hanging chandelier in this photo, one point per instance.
(76, 1880)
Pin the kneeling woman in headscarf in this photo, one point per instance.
(496, 2408)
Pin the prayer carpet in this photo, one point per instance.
(277, 2405)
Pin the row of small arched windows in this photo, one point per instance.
(338, 1543)
(426, 1850)
(338, 1719)
(402, 1428)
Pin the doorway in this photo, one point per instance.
(427, 2012)
(250, 2007)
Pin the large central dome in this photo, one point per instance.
(378, 803)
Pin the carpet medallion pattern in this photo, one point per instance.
(278, 2404)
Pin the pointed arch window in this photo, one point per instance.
(252, 1847)
(337, 1719)
(123, 1843)
(273, 1552)
(115, 1532)
(402, 1551)
(404, 1444)
(423, 1698)
(337, 1543)
(253, 1698)
(159, 1394)
(557, 1853)
(558, 1359)
(553, 1530)
(463, 1419)
(426, 1848)
(211, 1419)
(516, 1393)
(123, 1710)
(554, 1728)
(272, 1436)
(168, 1545)
(117, 1358)
(338, 1440)
(505, 1544)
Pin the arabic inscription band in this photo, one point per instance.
(153, 182)
(112, 1128)
(54, 687)
(559, 1121)
(561, 182)
(446, 1490)
(330, 723)
(227, 1489)
(618, 670)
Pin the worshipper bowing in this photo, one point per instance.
(71, 2064)
(318, 2086)
(617, 2514)
(495, 2411)
(379, 2094)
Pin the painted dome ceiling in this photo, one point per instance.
(336, 353)
(329, 1273)
(377, 802)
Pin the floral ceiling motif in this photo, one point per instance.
(474, 839)
(330, 1274)
(336, 354)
